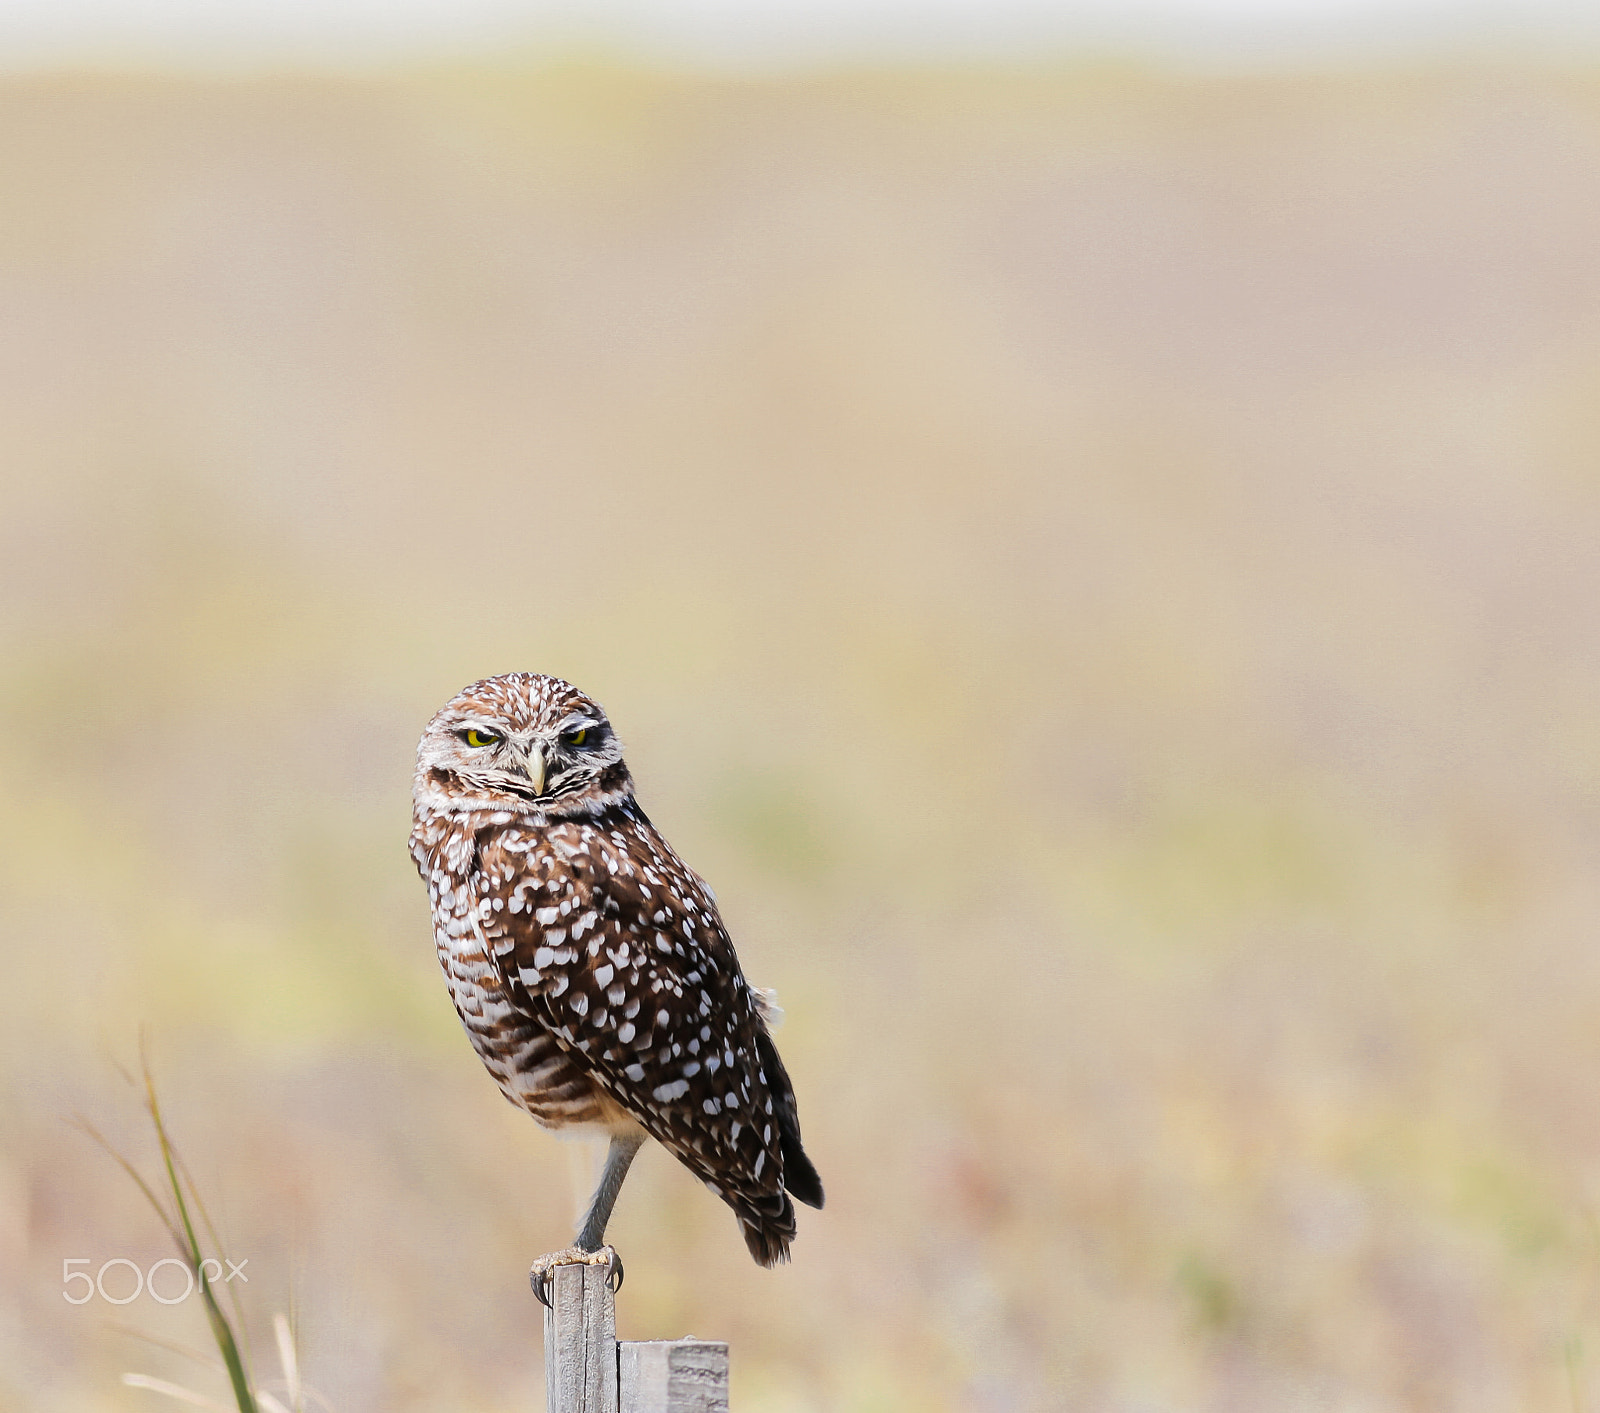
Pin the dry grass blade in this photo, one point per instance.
(289, 1360)
(306, 1392)
(177, 1391)
(192, 1354)
(180, 1227)
(216, 1244)
(84, 1126)
(221, 1330)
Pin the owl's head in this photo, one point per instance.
(522, 741)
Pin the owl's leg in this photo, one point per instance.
(591, 1249)
(592, 1235)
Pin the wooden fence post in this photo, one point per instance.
(673, 1376)
(586, 1369)
(580, 1342)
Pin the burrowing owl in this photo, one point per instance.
(589, 964)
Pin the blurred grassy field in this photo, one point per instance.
(1100, 570)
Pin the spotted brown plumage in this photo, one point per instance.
(589, 963)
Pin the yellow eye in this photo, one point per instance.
(474, 737)
(578, 737)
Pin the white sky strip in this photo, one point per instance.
(250, 33)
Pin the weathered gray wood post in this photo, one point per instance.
(673, 1376)
(580, 1342)
(586, 1369)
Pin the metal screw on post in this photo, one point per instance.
(588, 1371)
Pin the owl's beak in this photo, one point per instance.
(536, 769)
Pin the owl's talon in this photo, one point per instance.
(540, 1276)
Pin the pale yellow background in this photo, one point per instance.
(1098, 568)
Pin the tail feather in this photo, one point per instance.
(799, 1174)
(768, 1230)
(767, 1220)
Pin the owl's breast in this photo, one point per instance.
(518, 1049)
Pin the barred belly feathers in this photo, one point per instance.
(588, 963)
